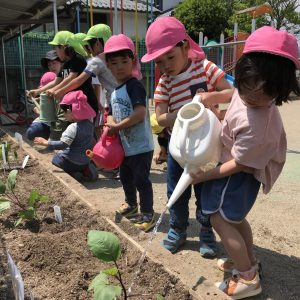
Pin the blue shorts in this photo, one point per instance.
(232, 196)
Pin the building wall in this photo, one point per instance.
(129, 25)
(168, 4)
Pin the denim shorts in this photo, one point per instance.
(232, 196)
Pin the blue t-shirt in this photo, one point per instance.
(138, 138)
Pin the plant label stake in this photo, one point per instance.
(57, 214)
(17, 281)
(4, 156)
(25, 161)
(19, 138)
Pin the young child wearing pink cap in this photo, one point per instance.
(129, 117)
(185, 73)
(254, 151)
(53, 64)
(76, 139)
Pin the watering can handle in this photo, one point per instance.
(197, 98)
(35, 102)
(104, 136)
(182, 140)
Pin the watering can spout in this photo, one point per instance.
(94, 157)
(184, 181)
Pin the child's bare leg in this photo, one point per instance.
(233, 242)
(246, 232)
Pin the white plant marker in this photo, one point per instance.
(25, 161)
(57, 214)
(17, 281)
(19, 138)
(4, 155)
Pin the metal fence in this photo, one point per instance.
(225, 55)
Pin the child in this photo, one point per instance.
(254, 151)
(70, 51)
(162, 138)
(76, 139)
(51, 62)
(129, 117)
(96, 38)
(38, 128)
(185, 73)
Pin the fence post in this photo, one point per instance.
(5, 74)
(222, 55)
(200, 38)
(253, 25)
(22, 58)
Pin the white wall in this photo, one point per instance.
(167, 4)
(129, 24)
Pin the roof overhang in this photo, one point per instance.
(28, 13)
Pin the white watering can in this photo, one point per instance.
(195, 143)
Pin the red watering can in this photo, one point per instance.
(108, 153)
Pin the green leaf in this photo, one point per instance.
(44, 198)
(33, 197)
(112, 271)
(103, 290)
(99, 280)
(28, 214)
(159, 297)
(12, 179)
(108, 292)
(104, 245)
(4, 204)
(2, 187)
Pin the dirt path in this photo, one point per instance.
(275, 221)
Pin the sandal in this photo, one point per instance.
(174, 240)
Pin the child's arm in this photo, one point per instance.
(138, 115)
(163, 116)
(52, 145)
(224, 170)
(223, 94)
(36, 92)
(65, 81)
(70, 85)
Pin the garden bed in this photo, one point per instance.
(54, 259)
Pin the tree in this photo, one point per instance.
(209, 16)
(285, 16)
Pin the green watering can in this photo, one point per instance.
(47, 108)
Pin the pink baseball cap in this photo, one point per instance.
(273, 41)
(163, 35)
(81, 110)
(122, 42)
(46, 78)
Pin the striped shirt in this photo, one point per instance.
(201, 76)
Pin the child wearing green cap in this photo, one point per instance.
(96, 67)
(71, 52)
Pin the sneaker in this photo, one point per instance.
(127, 211)
(226, 264)
(208, 245)
(174, 240)
(90, 173)
(238, 288)
(144, 222)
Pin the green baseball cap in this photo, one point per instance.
(67, 38)
(80, 36)
(99, 31)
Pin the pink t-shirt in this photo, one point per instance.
(255, 137)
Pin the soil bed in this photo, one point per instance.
(54, 259)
